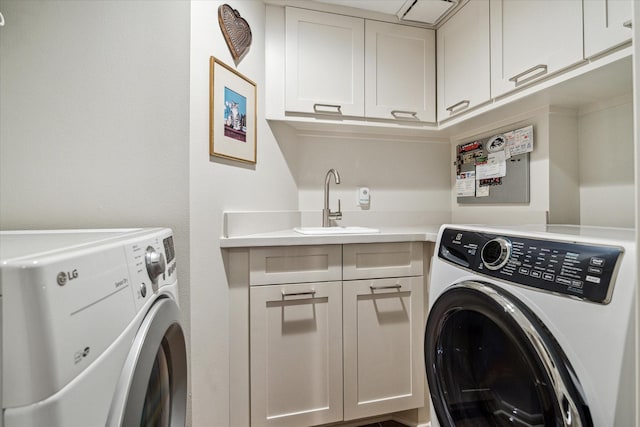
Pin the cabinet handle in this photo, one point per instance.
(297, 294)
(318, 108)
(378, 288)
(400, 114)
(516, 78)
(627, 24)
(466, 104)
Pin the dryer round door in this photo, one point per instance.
(490, 361)
(152, 390)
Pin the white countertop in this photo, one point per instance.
(289, 237)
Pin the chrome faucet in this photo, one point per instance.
(327, 215)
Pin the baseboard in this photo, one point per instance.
(409, 423)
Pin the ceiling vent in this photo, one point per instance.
(425, 11)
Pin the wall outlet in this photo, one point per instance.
(364, 196)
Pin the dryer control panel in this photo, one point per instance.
(581, 270)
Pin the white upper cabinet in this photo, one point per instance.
(399, 72)
(607, 23)
(531, 39)
(324, 63)
(463, 61)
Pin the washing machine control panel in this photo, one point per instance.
(581, 270)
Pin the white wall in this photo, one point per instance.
(94, 118)
(217, 185)
(607, 192)
(401, 175)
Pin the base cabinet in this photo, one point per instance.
(341, 349)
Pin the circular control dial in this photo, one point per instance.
(155, 263)
(495, 253)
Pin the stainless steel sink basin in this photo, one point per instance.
(320, 231)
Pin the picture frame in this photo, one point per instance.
(232, 113)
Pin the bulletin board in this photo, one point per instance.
(495, 169)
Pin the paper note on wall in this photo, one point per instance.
(494, 167)
(466, 184)
(519, 141)
(482, 191)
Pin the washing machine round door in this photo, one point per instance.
(491, 362)
(152, 390)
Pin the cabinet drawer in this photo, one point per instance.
(374, 260)
(294, 264)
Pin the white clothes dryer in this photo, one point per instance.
(532, 326)
(91, 332)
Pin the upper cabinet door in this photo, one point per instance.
(399, 72)
(607, 23)
(324, 63)
(464, 79)
(531, 39)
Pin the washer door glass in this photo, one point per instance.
(152, 390)
(491, 362)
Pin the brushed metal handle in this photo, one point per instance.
(318, 108)
(401, 114)
(516, 78)
(298, 294)
(378, 288)
(627, 24)
(465, 102)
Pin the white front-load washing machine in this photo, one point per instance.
(532, 326)
(91, 330)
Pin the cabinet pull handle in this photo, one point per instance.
(318, 108)
(627, 24)
(465, 102)
(378, 288)
(297, 294)
(400, 114)
(541, 67)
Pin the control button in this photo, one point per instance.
(597, 261)
(523, 270)
(143, 290)
(593, 279)
(536, 274)
(576, 283)
(496, 253)
(155, 264)
(548, 276)
(563, 281)
(594, 270)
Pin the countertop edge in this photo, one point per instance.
(291, 238)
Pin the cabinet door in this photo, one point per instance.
(464, 79)
(383, 363)
(607, 23)
(296, 354)
(399, 73)
(324, 63)
(531, 39)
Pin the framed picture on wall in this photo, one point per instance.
(232, 113)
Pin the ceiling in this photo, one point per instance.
(423, 11)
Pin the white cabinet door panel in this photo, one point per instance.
(382, 346)
(324, 63)
(604, 25)
(464, 79)
(296, 354)
(531, 39)
(399, 72)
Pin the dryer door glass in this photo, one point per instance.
(491, 362)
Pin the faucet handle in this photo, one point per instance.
(337, 214)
